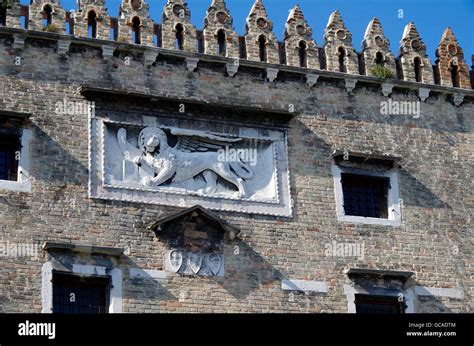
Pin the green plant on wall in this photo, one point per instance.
(382, 72)
(51, 28)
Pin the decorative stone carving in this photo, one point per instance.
(219, 22)
(18, 41)
(338, 40)
(108, 51)
(191, 64)
(312, 79)
(451, 56)
(376, 49)
(232, 68)
(458, 99)
(194, 263)
(63, 47)
(350, 85)
(298, 36)
(243, 170)
(177, 21)
(423, 94)
(259, 34)
(412, 54)
(387, 89)
(272, 73)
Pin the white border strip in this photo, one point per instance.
(439, 292)
(304, 286)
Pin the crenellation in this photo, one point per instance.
(135, 24)
(92, 20)
(177, 31)
(376, 50)
(451, 67)
(47, 15)
(218, 37)
(340, 56)
(300, 48)
(415, 64)
(261, 43)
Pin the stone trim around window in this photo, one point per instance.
(350, 292)
(23, 184)
(115, 274)
(393, 202)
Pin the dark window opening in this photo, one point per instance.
(136, 30)
(455, 75)
(365, 196)
(179, 44)
(379, 60)
(47, 16)
(418, 74)
(3, 15)
(221, 43)
(262, 48)
(342, 59)
(9, 157)
(367, 304)
(303, 54)
(92, 25)
(80, 295)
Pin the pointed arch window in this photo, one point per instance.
(92, 25)
(179, 42)
(3, 14)
(221, 43)
(418, 72)
(303, 54)
(262, 48)
(455, 74)
(136, 30)
(379, 59)
(47, 16)
(342, 59)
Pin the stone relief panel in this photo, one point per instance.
(194, 263)
(220, 167)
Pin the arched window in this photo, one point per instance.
(47, 16)
(262, 48)
(179, 44)
(136, 30)
(92, 25)
(418, 73)
(3, 14)
(455, 74)
(221, 43)
(379, 60)
(342, 59)
(303, 54)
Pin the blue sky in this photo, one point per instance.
(431, 17)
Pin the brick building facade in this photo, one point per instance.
(352, 204)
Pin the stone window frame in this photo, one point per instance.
(115, 275)
(393, 201)
(351, 290)
(23, 184)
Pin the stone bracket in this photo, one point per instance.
(18, 41)
(387, 89)
(350, 85)
(423, 94)
(107, 51)
(232, 68)
(192, 64)
(63, 47)
(150, 57)
(458, 99)
(272, 73)
(312, 79)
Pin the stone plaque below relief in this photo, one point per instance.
(217, 166)
(194, 263)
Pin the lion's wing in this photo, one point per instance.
(128, 150)
(197, 141)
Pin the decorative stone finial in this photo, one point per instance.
(91, 19)
(135, 24)
(177, 30)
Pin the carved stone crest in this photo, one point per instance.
(175, 260)
(214, 263)
(195, 262)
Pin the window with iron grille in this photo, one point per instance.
(74, 294)
(367, 304)
(365, 196)
(9, 155)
